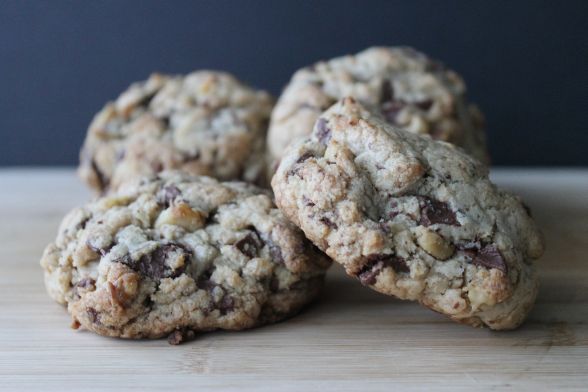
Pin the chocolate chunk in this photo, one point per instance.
(394, 210)
(391, 109)
(424, 105)
(226, 305)
(490, 257)
(470, 249)
(93, 315)
(369, 272)
(376, 263)
(82, 224)
(180, 336)
(328, 222)
(322, 132)
(249, 245)
(434, 211)
(393, 214)
(307, 201)
(274, 249)
(387, 92)
(154, 264)
(167, 195)
(398, 264)
(470, 253)
(295, 172)
(87, 283)
(304, 157)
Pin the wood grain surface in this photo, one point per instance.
(353, 339)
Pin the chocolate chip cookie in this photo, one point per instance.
(411, 217)
(409, 89)
(175, 254)
(204, 123)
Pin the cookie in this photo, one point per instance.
(411, 217)
(176, 254)
(409, 89)
(205, 123)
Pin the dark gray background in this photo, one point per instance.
(525, 62)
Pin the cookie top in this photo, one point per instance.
(409, 89)
(180, 253)
(411, 217)
(204, 123)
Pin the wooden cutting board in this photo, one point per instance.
(353, 339)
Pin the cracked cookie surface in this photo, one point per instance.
(174, 253)
(411, 217)
(409, 89)
(205, 123)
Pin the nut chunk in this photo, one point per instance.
(174, 254)
(411, 217)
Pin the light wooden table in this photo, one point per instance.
(353, 339)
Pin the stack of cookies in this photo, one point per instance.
(376, 161)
